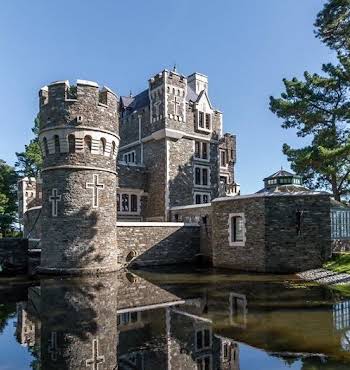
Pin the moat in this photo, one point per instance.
(173, 319)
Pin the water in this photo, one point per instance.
(179, 320)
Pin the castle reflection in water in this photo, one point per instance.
(124, 322)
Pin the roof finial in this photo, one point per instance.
(174, 68)
(130, 94)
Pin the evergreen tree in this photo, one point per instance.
(8, 197)
(319, 106)
(333, 25)
(29, 162)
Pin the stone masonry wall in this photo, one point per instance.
(251, 256)
(180, 172)
(155, 162)
(288, 250)
(157, 245)
(13, 255)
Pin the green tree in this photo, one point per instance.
(333, 25)
(318, 106)
(29, 162)
(8, 197)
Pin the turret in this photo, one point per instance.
(79, 140)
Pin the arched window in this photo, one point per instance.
(102, 146)
(113, 149)
(71, 143)
(57, 143)
(46, 148)
(87, 143)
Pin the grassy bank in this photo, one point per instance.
(339, 263)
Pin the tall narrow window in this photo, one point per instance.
(237, 229)
(133, 203)
(102, 147)
(125, 202)
(207, 121)
(87, 143)
(204, 176)
(57, 143)
(205, 150)
(71, 143)
(113, 149)
(201, 119)
(197, 176)
(197, 150)
(222, 158)
(46, 148)
(198, 199)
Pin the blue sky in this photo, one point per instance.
(245, 47)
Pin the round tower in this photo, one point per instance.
(79, 140)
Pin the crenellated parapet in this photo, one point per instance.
(79, 117)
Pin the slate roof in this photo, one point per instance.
(280, 173)
(136, 102)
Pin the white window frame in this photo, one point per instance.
(204, 121)
(129, 193)
(210, 339)
(201, 177)
(201, 142)
(201, 358)
(220, 151)
(129, 154)
(230, 236)
(201, 194)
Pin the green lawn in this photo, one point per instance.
(339, 263)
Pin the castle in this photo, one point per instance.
(159, 163)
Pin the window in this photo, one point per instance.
(201, 198)
(57, 143)
(130, 157)
(128, 318)
(113, 149)
(203, 339)
(201, 176)
(127, 203)
(102, 147)
(201, 119)
(223, 158)
(71, 143)
(133, 198)
(223, 180)
(236, 229)
(87, 143)
(201, 150)
(204, 363)
(238, 309)
(207, 121)
(46, 148)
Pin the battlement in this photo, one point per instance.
(62, 91)
(80, 106)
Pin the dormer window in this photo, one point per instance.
(204, 121)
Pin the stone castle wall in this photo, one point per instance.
(251, 256)
(284, 233)
(151, 244)
(288, 250)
